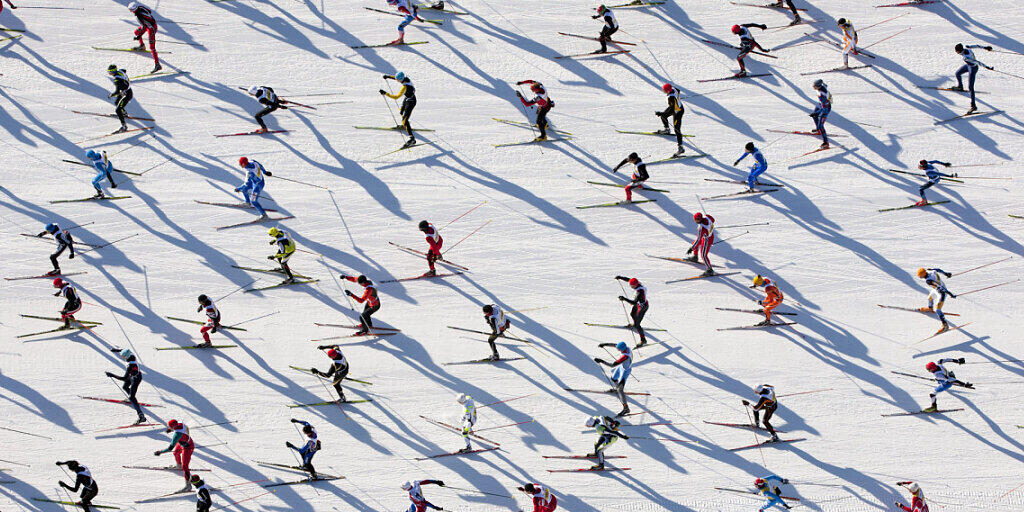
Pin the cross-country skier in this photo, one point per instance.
(917, 503)
(772, 297)
(747, 44)
(971, 67)
(675, 110)
(64, 241)
(183, 446)
(123, 92)
(766, 402)
(203, 498)
(369, 298)
(849, 40)
(147, 23)
(945, 377)
(610, 27)
(639, 174)
(933, 278)
(83, 480)
(608, 429)
(705, 239)
(338, 370)
(72, 302)
(759, 167)
(543, 499)
(132, 378)
(639, 303)
(268, 98)
(408, 95)
(103, 170)
(821, 111)
(434, 243)
(933, 175)
(255, 180)
(309, 449)
(468, 419)
(410, 12)
(285, 249)
(544, 105)
(621, 368)
(419, 503)
(792, 8)
(774, 494)
(212, 318)
(496, 320)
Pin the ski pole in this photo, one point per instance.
(982, 266)
(290, 102)
(730, 238)
(884, 21)
(987, 287)
(884, 39)
(743, 225)
(503, 401)
(1005, 73)
(805, 392)
(299, 182)
(463, 215)
(467, 236)
(661, 439)
(503, 426)
(236, 290)
(214, 424)
(107, 244)
(27, 434)
(395, 120)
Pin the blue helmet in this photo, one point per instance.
(93, 155)
(400, 76)
(622, 346)
(125, 354)
(52, 228)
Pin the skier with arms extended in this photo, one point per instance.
(970, 67)
(419, 503)
(933, 175)
(544, 105)
(621, 369)
(747, 44)
(64, 241)
(309, 449)
(132, 378)
(767, 403)
(608, 430)
(338, 370)
(270, 101)
(933, 278)
(774, 494)
(946, 379)
(183, 446)
(639, 303)
(639, 176)
(369, 298)
(83, 480)
(756, 170)
(610, 27)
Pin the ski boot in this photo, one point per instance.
(464, 450)
(679, 152)
(430, 273)
(263, 129)
(591, 455)
(493, 357)
(741, 74)
(763, 322)
(945, 327)
(409, 143)
(400, 40)
(931, 408)
(262, 217)
(926, 309)
(122, 129)
(707, 273)
(973, 109)
(796, 20)
(54, 272)
(922, 203)
(99, 194)
(156, 68)
(140, 48)
(623, 412)
(141, 419)
(438, 5)
(663, 131)
(597, 467)
(362, 332)
(957, 88)
(692, 259)
(824, 145)
(775, 438)
(541, 138)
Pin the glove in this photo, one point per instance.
(238, 189)
(737, 162)
(349, 293)
(289, 444)
(597, 360)
(440, 483)
(595, 17)
(108, 374)
(991, 68)
(270, 257)
(624, 436)
(954, 175)
(314, 371)
(157, 453)
(657, 113)
(520, 83)
(293, 420)
(745, 402)
(785, 480)
(948, 274)
(385, 77)
(621, 297)
(760, 303)
(690, 250)
(968, 385)
(946, 164)
(898, 504)
(960, 361)
(381, 91)
(62, 484)
(622, 278)
(989, 48)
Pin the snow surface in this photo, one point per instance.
(833, 254)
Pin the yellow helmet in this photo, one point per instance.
(274, 232)
(922, 272)
(758, 280)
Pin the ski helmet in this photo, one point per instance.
(307, 429)
(698, 217)
(424, 225)
(959, 47)
(758, 280)
(530, 488)
(591, 421)
(537, 88)
(462, 398)
(195, 478)
(112, 68)
(760, 482)
(932, 367)
(750, 147)
(126, 354)
(914, 488)
(132, 6)
(92, 155)
(841, 21)
(667, 88)
(253, 90)
(243, 161)
(73, 465)
(333, 354)
(762, 389)
(362, 280)
(407, 486)
(621, 346)
(736, 29)
(633, 157)
(488, 309)
(274, 232)
(922, 164)
(400, 76)
(601, 9)
(818, 84)
(634, 282)
(173, 424)
(922, 272)
(58, 283)
(52, 228)
(203, 299)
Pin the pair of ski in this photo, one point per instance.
(944, 330)
(738, 76)
(164, 468)
(424, 255)
(276, 271)
(645, 188)
(680, 260)
(637, 3)
(914, 413)
(200, 346)
(422, 276)
(74, 503)
(257, 221)
(748, 193)
(82, 326)
(375, 332)
(319, 477)
(836, 70)
(459, 430)
(534, 141)
(727, 45)
(972, 114)
(244, 206)
(309, 371)
(254, 132)
(583, 457)
(756, 311)
(949, 89)
(113, 116)
(915, 205)
(385, 45)
(943, 178)
(926, 311)
(757, 326)
(331, 402)
(755, 493)
(614, 326)
(116, 401)
(857, 52)
(744, 182)
(522, 124)
(701, 276)
(135, 50)
(93, 198)
(606, 392)
(658, 133)
(912, 3)
(458, 452)
(619, 203)
(197, 322)
(766, 6)
(484, 361)
(500, 336)
(281, 284)
(115, 132)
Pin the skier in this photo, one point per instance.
(496, 320)
(103, 170)
(608, 429)
(792, 8)
(64, 241)
(747, 44)
(434, 241)
(543, 499)
(759, 167)
(705, 239)
(676, 110)
(123, 92)
(917, 503)
(468, 419)
(285, 249)
(132, 378)
(183, 447)
(84, 480)
(255, 180)
(971, 67)
(338, 370)
(849, 40)
(544, 105)
(639, 174)
(408, 93)
(610, 27)
(268, 98)
(147, 23)
(946, 379)
(369, 297)
(203, 498)
(621, 368)
(772, 297)
(72, 302)
(639, 303)
(766, 402)
(932, 277)
(774, 494)
(309, 449)
(212, 319)
(419, 503)
(410, 11)
(821, 111)
(933, 175)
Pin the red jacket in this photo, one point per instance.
(369, 293)
(918, 505)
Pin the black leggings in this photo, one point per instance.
(767, 417)
(637, 315)
(368, 311)
(131, 386)
(677, 124)
(606, 35)
(406, 112)
(122, 102)
(53, 257)
(338, 377)
(264, 112)
(542, 120)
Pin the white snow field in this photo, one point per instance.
(821, 237)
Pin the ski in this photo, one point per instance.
(4, 29)
(595, 39)
(276, 271)
(357, 326)
(244, 206)
(973, 114)
(438, 456)
(423, 254)
(930, 379)
(811, 152)
(834, 70)
(739, 182)
(949, 89)
(359, 47)
(488, 334)
(943, 178)
(648, 189)
(194, 347)
(391, 128)
(281, 466)
(163, 468)
(116, 132)
(485, 360)
(11, 38)
(606, 392)
(255, 132)
(736, 77)
(129, 50)
(435, 22)
(257, 221)
(62, 502)
(423, 276)
(305, 481)
(112, 115)
(585, 457)
(620, 203)
(158, 74)
(279, 285)
(134, 425)
(780, 324)
(94, 198)
(740, 425)
(45, 275)
(591, 54)
(459, 430)
(727, 45)
(583, 470)
(680, 260)
(766, 6)
(915, 205)
(58, 319)
(331, 402)
(673, 158)
(168, 495)
(738, 194)
(909, 4)
(358, 335)
(59, 329)
(916, 310)
(799, 132)
(426, 7)
(912, 413)
(613, 326)
(631, 132)
(767, 443)
(700, 276)
(116, 401)
(945, 330)
(741, 491)
(523, 143)
(755, 311)
(522, 124)
(1016, 216)
(837, 45)
(197, 322)
(637, 3)
(308, 372)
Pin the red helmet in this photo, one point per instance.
(634, 282)
(244, 162)
(932, 367)
(760, 482)
(698, 217)
(537, 88)
(922, 164)
(173, 424)
(736, 29)
(333, 354)
(667, 88)
(58, 283)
